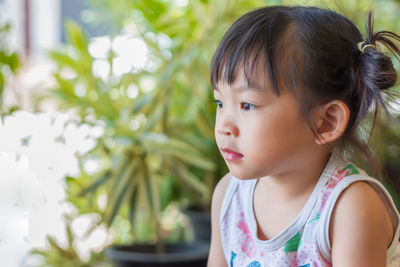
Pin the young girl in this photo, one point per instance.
(291, 85)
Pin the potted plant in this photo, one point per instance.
(138, 160)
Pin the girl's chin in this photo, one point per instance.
(243, 172)
(241, 175)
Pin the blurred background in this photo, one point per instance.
(106, 130)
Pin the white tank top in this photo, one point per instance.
(305, 242)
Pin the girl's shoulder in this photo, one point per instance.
(348, 184)
(216, 255)
(220, 188)
(219, 195)
(359, 217)
(361, 224)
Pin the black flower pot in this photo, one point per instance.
(177, 255)
(201, 222)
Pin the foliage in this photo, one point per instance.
(385, 141)
(9, 61)
(135, 163)
(56, 254)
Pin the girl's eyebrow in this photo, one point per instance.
(244, 87)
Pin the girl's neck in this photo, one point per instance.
(297, 183)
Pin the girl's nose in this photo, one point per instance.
(228, 129)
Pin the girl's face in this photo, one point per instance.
(259, 133)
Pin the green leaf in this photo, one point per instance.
(141, 102)
(202, 163)
(63, 59)
(204, 127)
(192, 181)
(65, 253)
(75, 36)
(132, 205)
(126, 179)
(1, 88)
(149, 189)
(153, 119)
(13, 61)
(160, 144)
(98, 183)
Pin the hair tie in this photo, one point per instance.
(362, 45)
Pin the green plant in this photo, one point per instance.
(67, 255)
(9, 62)
(136, 163)
(385, 142)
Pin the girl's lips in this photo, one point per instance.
(231, 155)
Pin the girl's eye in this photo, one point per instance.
(219, 103)
(247, 106)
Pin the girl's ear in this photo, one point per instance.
(332, 119)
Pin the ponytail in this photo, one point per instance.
(376, 73)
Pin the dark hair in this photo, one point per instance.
(314, 54)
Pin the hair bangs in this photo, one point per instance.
(244, 55)
(251, 44)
